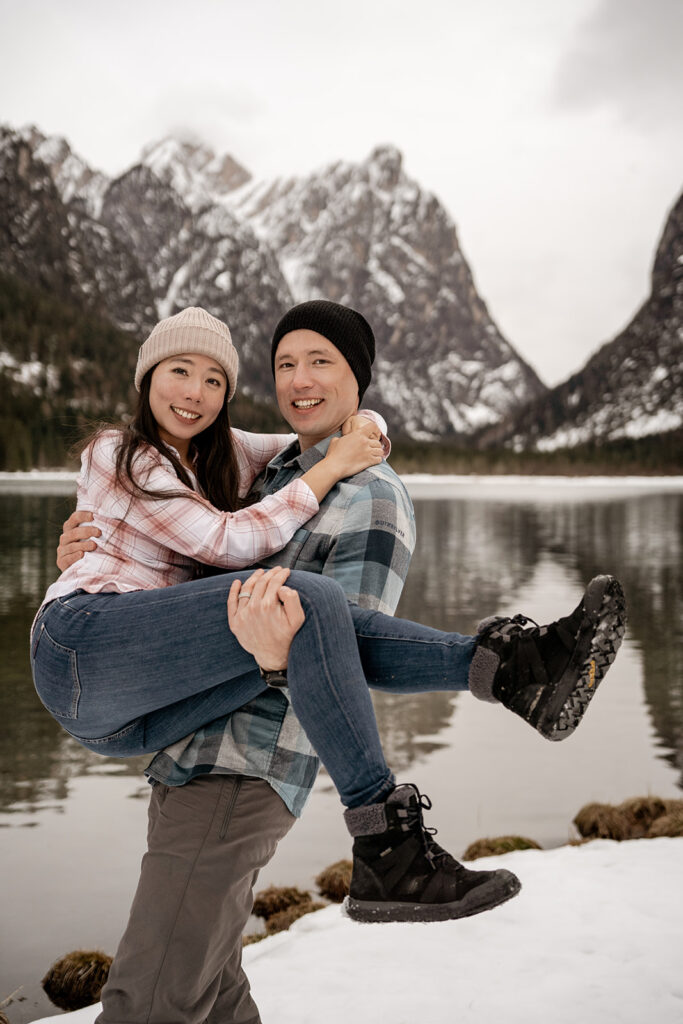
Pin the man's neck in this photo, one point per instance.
(308, 441)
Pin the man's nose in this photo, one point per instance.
(302, 377)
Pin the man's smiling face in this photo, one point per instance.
(315, 386)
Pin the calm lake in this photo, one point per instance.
(73, 824)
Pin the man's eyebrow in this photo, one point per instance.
(308, 352)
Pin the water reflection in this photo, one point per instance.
(472, 558)
(37, 758)
(643, 540)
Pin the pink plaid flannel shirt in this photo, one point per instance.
(146, 544)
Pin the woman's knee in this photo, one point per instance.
(320, 592)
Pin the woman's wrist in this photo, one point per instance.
(321, 478)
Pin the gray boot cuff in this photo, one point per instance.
(482, 674)
(368, 820)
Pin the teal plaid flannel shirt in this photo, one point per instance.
(362, 536)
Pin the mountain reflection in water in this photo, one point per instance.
(472, 558)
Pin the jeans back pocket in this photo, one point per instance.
(55, 674)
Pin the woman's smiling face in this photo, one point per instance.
(186, 394)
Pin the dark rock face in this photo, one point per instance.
(185, 227)
(367, 235)
(60, 247)
(633, 386)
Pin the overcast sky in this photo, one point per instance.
(550, 129)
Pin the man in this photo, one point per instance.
(224, 796)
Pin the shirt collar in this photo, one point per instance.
(292, 456)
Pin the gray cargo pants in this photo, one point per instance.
(180, 958)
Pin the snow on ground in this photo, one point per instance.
(596, 935)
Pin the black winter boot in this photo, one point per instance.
(548, 674)
(401, 874)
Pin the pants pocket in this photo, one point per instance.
(55, 675)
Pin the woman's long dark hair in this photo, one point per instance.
(215, 466)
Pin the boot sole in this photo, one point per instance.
(605, 606)
(499, 889)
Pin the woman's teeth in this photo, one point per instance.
(185, 414)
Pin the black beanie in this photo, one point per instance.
(344, 327)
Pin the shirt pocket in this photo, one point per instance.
(55, 675)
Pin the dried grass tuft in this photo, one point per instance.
(498, 844)
(640, 817)
(335, 880)
(275, 899)
(77, 979)
(281, 921)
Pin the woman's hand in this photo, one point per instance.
(359, 448)
(346, 456)
(360, 422)
(264, 616)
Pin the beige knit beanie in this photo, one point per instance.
(191, 330)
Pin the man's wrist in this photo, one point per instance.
(276, 677)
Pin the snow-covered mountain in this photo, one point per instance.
(184, 226)
(51, 238)
(194, 170)
(367, 235)
(633, 386)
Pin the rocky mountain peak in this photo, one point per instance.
(368, 235)
(385, 166)
(667, 272)
(633, 386)
(193, 169)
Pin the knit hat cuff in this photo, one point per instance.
(193, 330)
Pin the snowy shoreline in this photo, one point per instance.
(420, 485)
(595, 935)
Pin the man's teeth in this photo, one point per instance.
(185, 414)
(306, 403)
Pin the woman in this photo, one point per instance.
(128, 663)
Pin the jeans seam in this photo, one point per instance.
(119, 734)
(313, 618)
(73, 670)
(414, 640)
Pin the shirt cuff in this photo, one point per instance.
(380, 422)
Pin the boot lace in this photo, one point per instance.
(498, 622)
(415, 823)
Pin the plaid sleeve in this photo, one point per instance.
(187, 523)
(371, 553)
(253, 453)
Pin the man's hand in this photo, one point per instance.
(264, 616)
(76, 539)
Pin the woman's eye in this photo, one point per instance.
(179, 369)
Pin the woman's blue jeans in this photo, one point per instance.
(128, 674)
